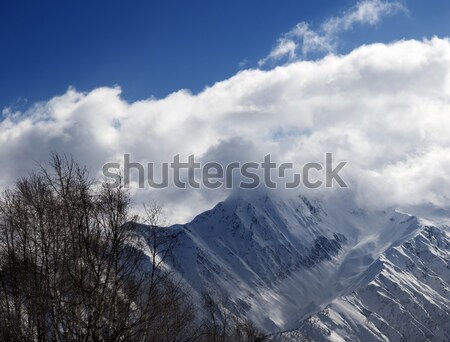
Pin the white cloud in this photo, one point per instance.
(285, 47)
(383, 108)
(368, 12)
(302, 40)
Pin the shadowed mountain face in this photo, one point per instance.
(258, 242)
(404, 296)
(281, 261)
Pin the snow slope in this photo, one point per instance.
(403, 296)
(278, 260)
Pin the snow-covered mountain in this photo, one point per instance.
(321, 269)
(403, 296)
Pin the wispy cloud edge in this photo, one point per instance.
(303, 40)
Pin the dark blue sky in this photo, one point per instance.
(151, 48)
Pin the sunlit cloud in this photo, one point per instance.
(383, 108)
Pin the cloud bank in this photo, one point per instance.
(384, 108)
(302, 40)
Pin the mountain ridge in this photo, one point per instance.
(405, 298)
(279, 261)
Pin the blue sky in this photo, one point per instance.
(152, 48)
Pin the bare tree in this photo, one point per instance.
(74, 264)
(220, 325)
